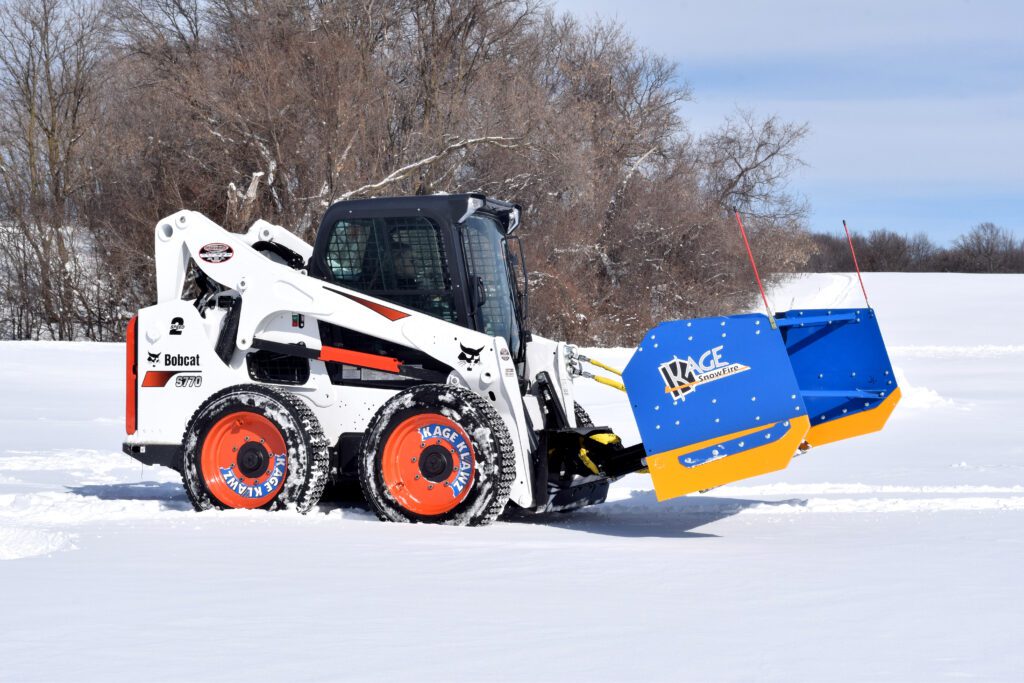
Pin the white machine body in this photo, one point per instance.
(178, 365)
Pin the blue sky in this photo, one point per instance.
(916, 108)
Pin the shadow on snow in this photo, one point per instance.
(638, 516)
(170, 494)
(641, 515)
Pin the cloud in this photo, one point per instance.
(712, 30)
(916, 108)
(941, 142)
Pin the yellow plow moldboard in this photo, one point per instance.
(671, 480)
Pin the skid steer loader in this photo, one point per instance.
(393, 352)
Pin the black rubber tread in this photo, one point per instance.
(495, 457)
(582, 416)
(308, 467)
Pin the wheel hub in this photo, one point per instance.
(253, 460)
(435, 463)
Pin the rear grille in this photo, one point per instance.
(276, 368)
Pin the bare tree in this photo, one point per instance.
(748, 163)
(274, 108)
(987, 248)
(49, 51)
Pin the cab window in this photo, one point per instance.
(397, 259)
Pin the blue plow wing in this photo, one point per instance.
(722, 399)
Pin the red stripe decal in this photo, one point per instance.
(389, 313)
(158, 378)
(360, 359)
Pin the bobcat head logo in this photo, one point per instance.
(469, 357)
(153, 358)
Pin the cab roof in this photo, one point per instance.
(455, 208)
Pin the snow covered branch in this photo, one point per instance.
(408, 169)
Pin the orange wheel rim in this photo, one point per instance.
(428, 465)
(244, 460)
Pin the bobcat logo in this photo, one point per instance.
(153, 358)
(469, 357)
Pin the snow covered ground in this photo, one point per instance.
(896, 556)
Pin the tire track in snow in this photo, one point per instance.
(882, 498)
(890, 505)
(828, 488)
(826, 497)
(934, 351)
(834, 294)
(647, 506)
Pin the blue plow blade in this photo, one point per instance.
(722, 399)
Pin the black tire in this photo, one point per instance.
(307, 454)
(493, 455)
(582, 416)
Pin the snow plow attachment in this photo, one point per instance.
(722, 399)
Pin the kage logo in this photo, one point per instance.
(683, 376)
(456, 473)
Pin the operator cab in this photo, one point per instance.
(449, 256)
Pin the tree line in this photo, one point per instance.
(985, 248)
(115, 113)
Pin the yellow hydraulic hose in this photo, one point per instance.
(606, 381)
(602, 365)
(615, 384)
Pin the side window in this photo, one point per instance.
(354, 255)
(416, 248)
(486, 257)
(398, 259)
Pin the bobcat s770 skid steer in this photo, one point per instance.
(393, 351)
